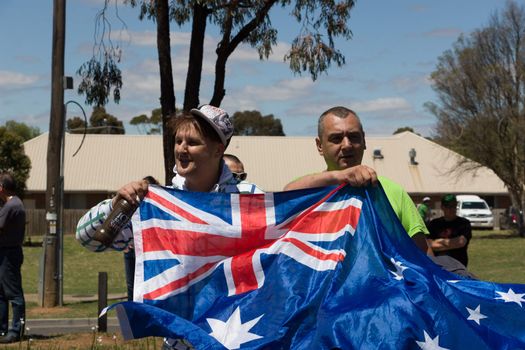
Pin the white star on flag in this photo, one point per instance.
(511, 297)
(233, 333)
(429, 343)
(399, 269)
(475, 315)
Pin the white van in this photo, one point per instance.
(476, 210)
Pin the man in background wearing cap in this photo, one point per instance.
(424, 210)
(450, 234)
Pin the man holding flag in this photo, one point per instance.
(341, 142)
(201, 137)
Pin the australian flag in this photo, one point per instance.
(328, 268)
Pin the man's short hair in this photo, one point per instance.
(186, 119)
(232, 158)
(7, 181)
(339, 112)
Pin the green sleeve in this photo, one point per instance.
(404, 207)
(422, 209)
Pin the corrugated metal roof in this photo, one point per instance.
(433, 173)
(106, 162)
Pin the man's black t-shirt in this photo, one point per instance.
(12, 223)
(440, 228)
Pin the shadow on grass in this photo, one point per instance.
(506, 235)
(40, 337)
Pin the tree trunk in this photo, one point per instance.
(193, 77)
(227, 46)
(167, 93)
(220, 73)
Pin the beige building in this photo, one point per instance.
(106, 162)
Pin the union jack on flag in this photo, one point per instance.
(328, 268)
(180, 243)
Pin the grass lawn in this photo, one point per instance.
(81, 268)
(496, 256)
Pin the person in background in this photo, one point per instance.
(237, 168)
(424, 210)
(450, 234)
(129, 254)
(12, 230)
(341, 142)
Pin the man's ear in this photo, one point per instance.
(220, 149)
(364, 140)
(319, 146)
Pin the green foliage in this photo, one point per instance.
(252, 123)
(76, 125)
(101, 74)
(100, 122)
(23, 130)
(313, 50)
(13, 159)
(105, 123)
(98, 79)
(148, 125)
(480, 112)
(310, 51)
(403, 129)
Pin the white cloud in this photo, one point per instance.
(9, 79)
(243, 52)
(281, 91)
(247, 53)
(233, 104)
(381, 104)
(150, 66)
(143, 83)
(411, 83)
(149, 38)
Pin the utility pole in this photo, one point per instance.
(49, 276)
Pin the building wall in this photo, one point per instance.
(75, 200)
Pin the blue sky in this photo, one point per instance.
(395, 47)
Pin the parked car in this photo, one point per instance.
(512, 219)
(476, 210)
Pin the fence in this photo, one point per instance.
(36, 224)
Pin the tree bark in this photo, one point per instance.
(167, 93)
(193, 76)
(220, 73)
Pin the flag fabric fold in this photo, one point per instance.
(312, 269)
